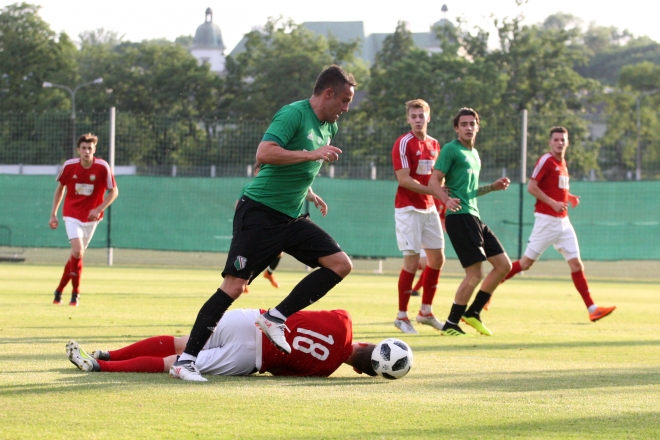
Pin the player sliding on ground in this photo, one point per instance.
(321, 341)
(549, 184)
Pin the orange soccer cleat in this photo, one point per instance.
(600, 312)
(269, 276)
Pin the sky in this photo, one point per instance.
(139, 20)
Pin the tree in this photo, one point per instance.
(31, 53)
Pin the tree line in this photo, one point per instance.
(556, 70)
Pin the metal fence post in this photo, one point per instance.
(111, 162)
(523, 179)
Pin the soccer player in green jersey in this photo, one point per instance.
(268, 217)
(459, 166)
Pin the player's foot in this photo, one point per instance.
(58, 298)
(414, 293)
(405, 326)
(452, 330)
(274, 328)
(74, 299)
(429, 320)
(273, 282)
(101, 355)
(487, 306)
(246, 289)
(600, 312)
(80, 358)
(186, 370)
(476, 324)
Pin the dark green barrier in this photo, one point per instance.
(615, 221)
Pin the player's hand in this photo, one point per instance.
(320, 205)
(94, 215)
(453, 205)
(574, 201)
(558, 206)
(501, 184)
(53, 223)
(327, 153)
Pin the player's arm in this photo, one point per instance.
(533, 189)
(110, 197)
(501, 184)
(269, 152)
(57, 199)
(317, 201)
(573, 200)
(407, 182)
(439, 191)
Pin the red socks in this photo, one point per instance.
(420, 281)
(144, 364)
(66, 276)
(157, 346)
(515, 269)
(76, 266)
(582, 286)
(405, 287)
(431, 277)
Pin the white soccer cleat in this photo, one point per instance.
(275, 332)
(429, 320)
(80, 358)
(186, 370)
(405, 326)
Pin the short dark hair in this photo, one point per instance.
(362, 359)
(558, 129)
(87, 137)
(334, 77)
(466, 111)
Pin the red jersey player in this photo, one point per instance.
(85, 181)
(416, 216)
(549, 184)
(320, 340)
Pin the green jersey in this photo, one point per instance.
(294, 127)
(461, 168)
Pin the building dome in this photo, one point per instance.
(208, 35)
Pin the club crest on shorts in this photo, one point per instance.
(239, 263)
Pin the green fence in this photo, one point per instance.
(615, 220)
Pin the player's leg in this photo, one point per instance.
(433, 242)
(409, 226)
(156, 346)
(498, 258)
(421, 266)
(143, 364)
(268, 273)
(568, 246)
(74, 233)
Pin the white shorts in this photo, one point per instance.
(418, 230)
(549, 230)
(234, 348)
(77, 229)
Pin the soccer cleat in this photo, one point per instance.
(476, 324)
(58, 298)
(101, 355)
(245, 289)
(414, 293)
(452, 330)
(80, 358)
(273, 282)
(74, 299)
(600, 312)
(429, 320)
(274, 330)
(186, 370)
(405, 326)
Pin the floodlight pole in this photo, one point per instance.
(47, 84)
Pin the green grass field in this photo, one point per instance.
(546, 373)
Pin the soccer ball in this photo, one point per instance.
(392, 359)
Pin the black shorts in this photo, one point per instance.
(261, 233)
(472, 239)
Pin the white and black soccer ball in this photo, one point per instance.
(392, 359)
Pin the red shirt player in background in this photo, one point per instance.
(85, 181)
(549, 184)
(321, 341)
(416, 216)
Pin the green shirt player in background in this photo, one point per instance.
(459, 166)
(267, 220)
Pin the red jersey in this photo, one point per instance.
(552, 177)
(85, 187)
(320, 342)
(419, 157)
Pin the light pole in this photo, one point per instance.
(638, 159)
(47, 85)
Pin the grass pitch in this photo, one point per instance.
(546, 373)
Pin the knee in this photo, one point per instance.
(474, 277)
(77, 254)
(343, 268)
